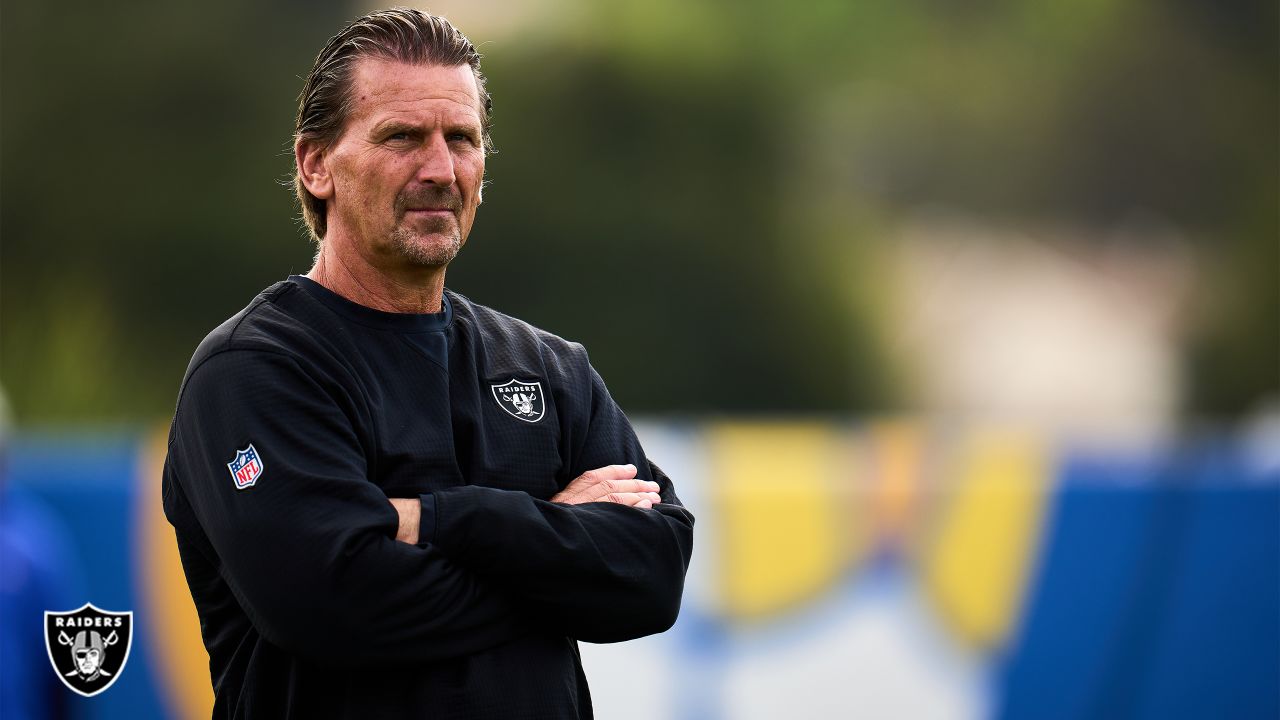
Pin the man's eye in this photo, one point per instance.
(398, 136)
(461, 137)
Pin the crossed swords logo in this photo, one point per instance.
(528, 404)
(97, 644)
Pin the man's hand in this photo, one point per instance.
(612, 483)
(410, 511)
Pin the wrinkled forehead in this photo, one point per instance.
(382, 85)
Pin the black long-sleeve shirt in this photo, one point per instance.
(302, 414)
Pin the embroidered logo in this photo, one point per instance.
(88, 647)
(246, 467)
(521, 399)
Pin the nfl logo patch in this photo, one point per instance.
(246, 468)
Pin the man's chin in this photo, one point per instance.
(434, 250)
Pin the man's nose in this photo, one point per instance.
(436, 165)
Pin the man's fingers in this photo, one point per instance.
(632, 498)
(612, 472)
(606, 474)
(605, 491)
(633, 486)
(648, 500)
(598, 484)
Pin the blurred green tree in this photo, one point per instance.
(699, 192)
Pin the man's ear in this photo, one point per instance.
(313, 168)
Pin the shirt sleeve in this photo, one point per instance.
(309, 549)
(601, 572)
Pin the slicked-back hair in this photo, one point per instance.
(401, 35)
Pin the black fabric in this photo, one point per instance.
(309, 608)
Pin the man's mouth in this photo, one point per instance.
(434, 214)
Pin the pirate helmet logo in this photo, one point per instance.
(521, 399)
(88, 647)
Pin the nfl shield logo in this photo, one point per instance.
(246, 467)
(521, 399)
(88, 647)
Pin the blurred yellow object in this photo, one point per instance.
(977, 563)
(172, 623)
(896, 450)
(788, 513)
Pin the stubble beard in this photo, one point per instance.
(435, 242)
(434, 246)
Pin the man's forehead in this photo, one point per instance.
(379, 83)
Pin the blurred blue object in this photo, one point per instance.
(87, 483)
(38, 571)
(1158, 595)
(1156, 592)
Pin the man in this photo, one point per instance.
(391, 501)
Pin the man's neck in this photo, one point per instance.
(415, 290)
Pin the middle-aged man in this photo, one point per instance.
(391, 501)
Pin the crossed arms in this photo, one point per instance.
(612, 483)
(311, 553)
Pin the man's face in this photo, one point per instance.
(87, 660)
(408, 167)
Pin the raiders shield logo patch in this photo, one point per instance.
(88, 647)
(521, 399)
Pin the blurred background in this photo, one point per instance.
(957, 324)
